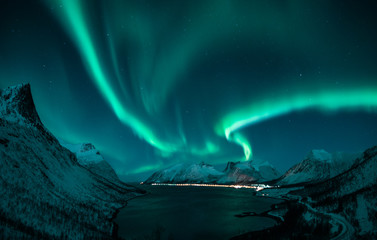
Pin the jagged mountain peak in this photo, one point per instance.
(249, 172)
(85, 152)
(17, 105)
(88, 156)
(319, 155)
(230, 165)
(319, 165)
(255, 164)
(87, 147)
(186, 173)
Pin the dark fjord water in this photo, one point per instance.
(192, 213)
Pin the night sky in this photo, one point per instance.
(153, 83)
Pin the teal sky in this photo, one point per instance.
(154, 83)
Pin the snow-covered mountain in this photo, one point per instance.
(45, 192)
(89, 157)
(353, 194)
(318, 165)
(186, 173)
(248, 172)
(239, 172)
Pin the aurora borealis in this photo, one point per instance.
(153, 83)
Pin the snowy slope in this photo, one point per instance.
(361, 175)
(186, 173)
(89, 157)
(318, 165)
(45, 192)
(248, 172)
(352, 194)
(239, 172)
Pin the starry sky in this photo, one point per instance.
(154, 83)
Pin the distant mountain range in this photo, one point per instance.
(48, 192)
(234, 173)
(317, 166)
(186, 173)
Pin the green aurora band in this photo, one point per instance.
(238, 138)
(72, 15)
(363, 98)
(158, 79)
(74, 22)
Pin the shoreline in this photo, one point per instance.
(278, 219)
(114, 231)
(295, 207)
(259, 234)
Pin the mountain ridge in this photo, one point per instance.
(318, 165)
(234, 173)
(352, 194)
(89, 157)
(46, 193)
